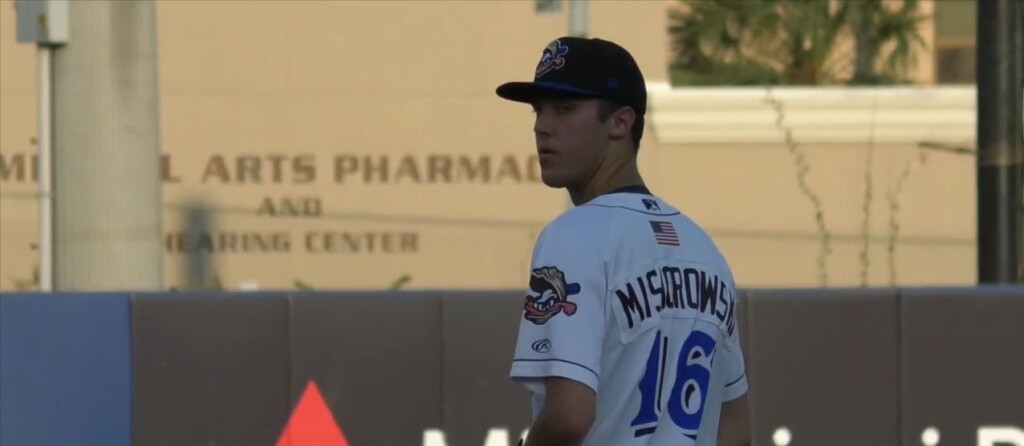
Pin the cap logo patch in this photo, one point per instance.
(552, 59)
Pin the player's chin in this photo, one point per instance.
(553, 178)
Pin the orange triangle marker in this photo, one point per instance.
(311, 423)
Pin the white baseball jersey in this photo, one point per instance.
(633, 299)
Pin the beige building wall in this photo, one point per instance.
(848, 198)
(350, 144)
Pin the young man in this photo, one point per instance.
(628, 335)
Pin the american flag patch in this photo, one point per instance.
(665, 233)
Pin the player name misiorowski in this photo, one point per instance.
(683, 290)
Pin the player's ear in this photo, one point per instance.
(621, 123)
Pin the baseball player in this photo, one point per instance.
(628, 335)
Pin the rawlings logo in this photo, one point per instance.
(553, 58)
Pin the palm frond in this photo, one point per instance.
(792, 41)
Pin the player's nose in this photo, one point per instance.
(541, 127)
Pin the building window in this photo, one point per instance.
(955, 45)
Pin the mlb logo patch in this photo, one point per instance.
(665, 233)
(651, 205)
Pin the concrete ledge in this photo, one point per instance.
(887, 115)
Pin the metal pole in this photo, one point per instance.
(1017, 118)
(999, 135)
(578, 18)
(45, 109)
(106, 178)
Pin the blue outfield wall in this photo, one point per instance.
(65, 369)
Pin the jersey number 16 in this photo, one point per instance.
(689, 388)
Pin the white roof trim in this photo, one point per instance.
(943, 114)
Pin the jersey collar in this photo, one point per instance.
(635, 189)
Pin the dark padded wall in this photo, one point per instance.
(377, 358)
(963, 363)
(210, 369)
(837, 367)
(825, 367)
(479, 338)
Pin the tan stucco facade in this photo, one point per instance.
(347, 144)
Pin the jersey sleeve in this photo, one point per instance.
(561, 329)
(734, 368)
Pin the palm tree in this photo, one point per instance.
(875, 26)
(711, 39)
(757, 42)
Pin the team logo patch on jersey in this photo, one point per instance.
(552, 59)
(549, 295)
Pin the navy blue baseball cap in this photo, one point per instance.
(586, 68)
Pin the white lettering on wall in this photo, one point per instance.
(495, 437)
(1000, 436)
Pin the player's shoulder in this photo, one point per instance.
(643, 209)
(598, 219)
(581, 224)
